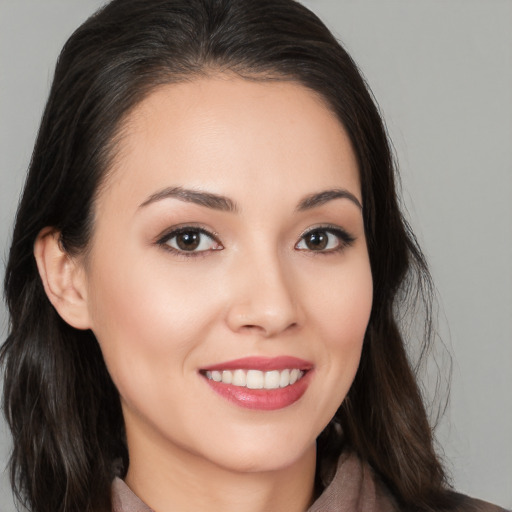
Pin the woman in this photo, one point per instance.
(205, 268)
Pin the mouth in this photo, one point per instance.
(256, 379)
(260, 383)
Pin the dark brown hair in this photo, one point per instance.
(59, 400)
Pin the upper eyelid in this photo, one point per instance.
(176, 230)
(326, 227)
(163, 241)
(345, 238)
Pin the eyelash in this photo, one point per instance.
(164, 240)
(344, 240)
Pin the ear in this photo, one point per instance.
(63, 279)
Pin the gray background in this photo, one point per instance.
(442, 73)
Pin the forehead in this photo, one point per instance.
(223, 132)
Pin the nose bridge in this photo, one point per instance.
(263, 298)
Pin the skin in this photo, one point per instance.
(256, 290)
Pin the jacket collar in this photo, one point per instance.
(354, 488)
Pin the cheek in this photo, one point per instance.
(341, 302)
(338, 303)
(341, 310)
(146, 316)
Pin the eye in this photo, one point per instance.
(324, 240)
(190, 240)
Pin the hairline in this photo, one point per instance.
(114, 146)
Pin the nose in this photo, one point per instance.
(263, 298)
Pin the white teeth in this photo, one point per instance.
(272, 380)
(239, 378)
(256, 379)
(284, 379)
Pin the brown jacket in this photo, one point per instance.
(354, 488)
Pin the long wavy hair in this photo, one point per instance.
(59, 400)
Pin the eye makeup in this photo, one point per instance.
(325, 239)
(189, 241)
(193, 241)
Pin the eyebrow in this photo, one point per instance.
(320, 198)
(222, 203)
(201, 198)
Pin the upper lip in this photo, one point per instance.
(262, 364)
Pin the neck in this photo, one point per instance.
(175, 479)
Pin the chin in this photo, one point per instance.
(263, 457)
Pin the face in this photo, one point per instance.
(228, 281)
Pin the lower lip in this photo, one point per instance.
(262, 399)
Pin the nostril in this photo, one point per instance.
(250, 327)
(266, 313)
(268, 330)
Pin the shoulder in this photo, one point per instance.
(385, 501)
(356, 486)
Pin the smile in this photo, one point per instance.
(260, 383)
(256, 379)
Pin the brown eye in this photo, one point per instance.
(324, 240)
(316, 240)
(190, 240)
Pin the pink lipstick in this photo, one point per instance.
(260, 382)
